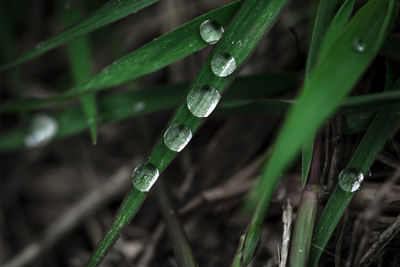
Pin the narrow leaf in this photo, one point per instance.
(108, 13)
(81, 69)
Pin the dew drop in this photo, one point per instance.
(139, 106)
(177, 136)
(223, 65)
(211, 31)
(350, 179)
(202, 100)
(359, 45)
(41, 131)
(144, 176)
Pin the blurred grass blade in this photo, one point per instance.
(333, 76)
(253, 20)
(81, 69)
(359, 110)
(325, 13)
(118, 106)
(108, 13)
(153, 56)
(336, 27)
(378, 132)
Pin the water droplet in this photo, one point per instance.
(41, 131)
(211, 31)
(144, 176)
(240, 43)
(202, 100)
(359, 45)
(177, 136)
(139, 106)
(223, 64)
(350, 179)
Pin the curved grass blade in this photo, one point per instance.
(81, 69)
(250, 24)
(153, 56)
(325, 14)
(108, 13)
(374, 139)
(333, 76)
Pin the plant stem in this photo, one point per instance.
(307, 211)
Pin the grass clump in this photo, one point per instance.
(209, 185)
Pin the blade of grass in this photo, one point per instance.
(120, 106)
(253, 20)
(374, 139)
(323, 27)
(333, 76)
(153, 56)
(81, 69)
(108, 13)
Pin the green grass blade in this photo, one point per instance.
(118, 106)
(153, 56)
(108, 13)
(130, 205)
(242, 36)
(374, 139)
(325, 13)
(81, 69)
(333, 76)
(335, 28)
(359, 110)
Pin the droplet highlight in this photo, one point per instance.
(223, 64)
(350, 179)
(42, 130)
(211, 31)
(359, 45)
(202, 100)
(177, 136)
(144, 176)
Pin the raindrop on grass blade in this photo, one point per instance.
(41, 131)
(144, 176)
(350, 179)
(359, 45)
(223, 64)
(177, 136)
(211, 31)
(202, 100)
